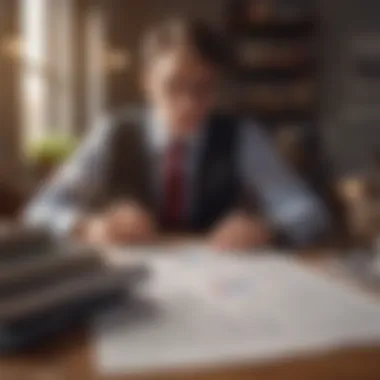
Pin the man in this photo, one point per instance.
(178, 164)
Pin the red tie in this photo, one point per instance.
(174, 185)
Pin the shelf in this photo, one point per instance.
(289, 115)
(369, 69)
(275, 74)
(294, 30)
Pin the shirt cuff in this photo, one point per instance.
(61, 222)
(66, 222)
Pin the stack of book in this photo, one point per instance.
(48, 287)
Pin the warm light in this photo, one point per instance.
(116, 60)
(13, 47)
(33, 22)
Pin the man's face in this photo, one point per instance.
(182, 88)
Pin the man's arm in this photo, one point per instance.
(288, 204)
(78, 185)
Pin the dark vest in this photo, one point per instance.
(217, 188)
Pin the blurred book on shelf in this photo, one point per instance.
(276, 68)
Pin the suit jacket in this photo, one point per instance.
(115, 163)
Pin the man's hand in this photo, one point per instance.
(240, 232)
(123, 223)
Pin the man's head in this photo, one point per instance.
(182, 63)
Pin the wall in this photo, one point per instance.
(9, 111)
(350, 122)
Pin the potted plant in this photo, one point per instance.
(49, 152)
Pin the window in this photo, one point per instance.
(53, 32)
(33, 81)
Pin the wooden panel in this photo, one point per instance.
(9, 96)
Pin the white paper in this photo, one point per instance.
(199, 308)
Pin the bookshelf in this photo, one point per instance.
(276, 77)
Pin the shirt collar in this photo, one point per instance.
(159, 136)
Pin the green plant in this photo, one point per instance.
(51, 150)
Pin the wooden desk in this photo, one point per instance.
(71, 359)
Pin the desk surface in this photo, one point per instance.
(71, 360)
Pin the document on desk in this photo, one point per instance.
(203, 309)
